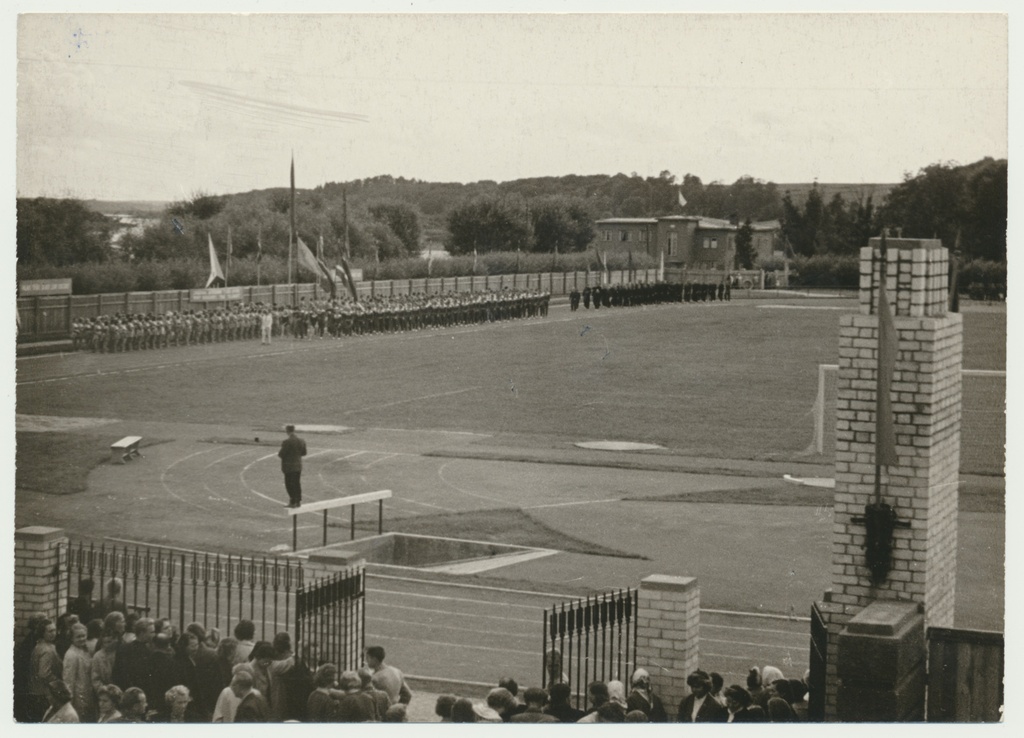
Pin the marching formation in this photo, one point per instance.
(625, 295)
(309, 319)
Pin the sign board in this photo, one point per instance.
(35, 287)
(357, 274)
(215, 294)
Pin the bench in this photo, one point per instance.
(125, 449)
(351, 501)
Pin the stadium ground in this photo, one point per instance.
(475, 424)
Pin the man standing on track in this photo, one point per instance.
(292, 450)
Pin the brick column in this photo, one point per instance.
(922, 486)
(668, 634)
(39, 581)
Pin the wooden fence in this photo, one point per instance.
(965, 676)
(50, 317)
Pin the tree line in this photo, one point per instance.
(386, 218)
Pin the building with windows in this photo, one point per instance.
(690, 241)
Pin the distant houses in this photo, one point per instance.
(691, 241)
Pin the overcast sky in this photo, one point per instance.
(157, 107)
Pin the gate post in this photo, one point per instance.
(38, 577)
(668, 634)
(922, 484)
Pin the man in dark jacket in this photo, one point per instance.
(700, 706)
(292, 450)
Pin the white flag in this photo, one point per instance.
(682, 200)
(215, 272)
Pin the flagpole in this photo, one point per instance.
(882, 276)
(291, 231)
(227, 262)
(259, 253)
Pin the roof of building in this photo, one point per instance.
(701, 220)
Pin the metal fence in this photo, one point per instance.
(591, 639)
(212, 589)
(330, 619)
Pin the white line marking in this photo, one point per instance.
(440, 475)
(568, 504)
(457, 599)
(460, 613)
(411, 399)
(237, 453)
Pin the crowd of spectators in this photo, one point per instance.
(767, 697)
(142, 670)
(120, 667)
(333, 318)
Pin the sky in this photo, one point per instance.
(160, 107)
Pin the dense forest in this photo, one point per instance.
(387, 218)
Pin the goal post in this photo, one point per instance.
(983, 417)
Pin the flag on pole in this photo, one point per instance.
(227, 261)
(346, 273)
(682, 200)
(888, 346)
(954, 276)
(310, 262)
(605, 276)
(216, 275)
(629, 269)
(320, 254)
(474, 261)
(259, 245)
(661, 267)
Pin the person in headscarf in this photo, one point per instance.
(617, 693)
(642, 698)
(769, 675)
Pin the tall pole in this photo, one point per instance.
(344, 217)
(291, 231)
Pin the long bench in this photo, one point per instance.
(324, 505)
(125, 449)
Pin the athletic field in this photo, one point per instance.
(474, 429)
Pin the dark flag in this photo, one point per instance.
(888, 347)
(954, 276)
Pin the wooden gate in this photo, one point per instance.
(965, 676)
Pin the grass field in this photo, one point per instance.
(731, 381)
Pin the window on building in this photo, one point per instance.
(714, 243)
(707, 243)
(673, 243)
(644, 235)
(606, 235)
(623, 235)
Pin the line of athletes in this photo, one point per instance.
(625, 295)
(310, 318)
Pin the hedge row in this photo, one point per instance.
(978, 279)
(182, 274)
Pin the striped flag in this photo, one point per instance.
(346, 273)
(216, 275)
(310, 262)
(888, 347)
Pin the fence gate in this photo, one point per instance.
(589, 640)
(214, 590)
(330, 619)
(818, 660)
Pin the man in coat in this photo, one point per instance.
(700, 706)
(292, 450)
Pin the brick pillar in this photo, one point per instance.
(39, 581)
(668, 630)
(922, 486)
